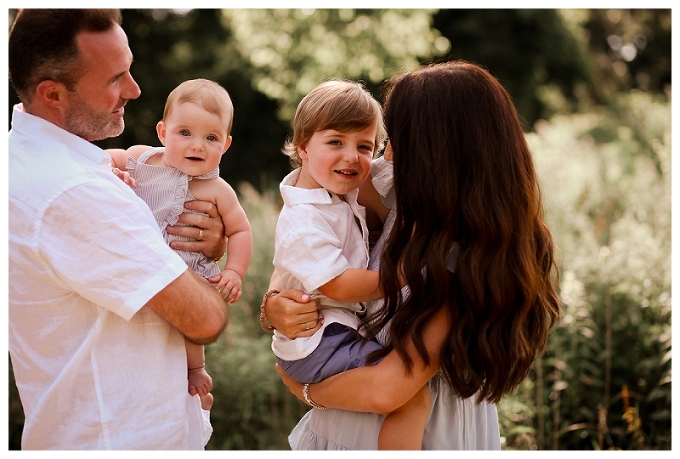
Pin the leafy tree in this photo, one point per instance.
(292, 51)
(631, 48)
(536, 56)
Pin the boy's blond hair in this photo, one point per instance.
(340, 105)
(208, 94)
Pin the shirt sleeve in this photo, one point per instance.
(105, 245)
(312, 254)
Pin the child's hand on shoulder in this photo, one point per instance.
(229, 284)
(124, 176)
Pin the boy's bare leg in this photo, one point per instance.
(200, 381)
(403, 428)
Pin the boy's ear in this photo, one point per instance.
(160, 130)
(227, 144)
(302, 151)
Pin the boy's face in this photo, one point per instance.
(194, 139)
(337, 161)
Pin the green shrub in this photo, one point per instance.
(605, 380)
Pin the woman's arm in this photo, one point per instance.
(376, 212)
(383, 387)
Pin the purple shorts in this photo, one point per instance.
(340, 349)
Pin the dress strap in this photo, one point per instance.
(151, 151)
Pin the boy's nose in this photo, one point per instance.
(351, 155)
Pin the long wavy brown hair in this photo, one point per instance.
(464, 174)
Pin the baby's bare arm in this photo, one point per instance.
(120, 156)
(237, 230)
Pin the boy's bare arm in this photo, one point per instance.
(354, 285)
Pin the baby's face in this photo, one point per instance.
(194, 139)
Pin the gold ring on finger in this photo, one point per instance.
(200, 235)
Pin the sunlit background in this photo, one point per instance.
(593, 90)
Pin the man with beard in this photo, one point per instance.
(95, 334)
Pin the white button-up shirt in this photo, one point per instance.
(318, 237)
(94, 369)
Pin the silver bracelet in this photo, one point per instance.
(308, 399)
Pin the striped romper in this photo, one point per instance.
(165, 190)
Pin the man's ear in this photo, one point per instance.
(51, 93)
(160, 130)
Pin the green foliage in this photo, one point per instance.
(538, 58)
(292, 51)
(606, 186)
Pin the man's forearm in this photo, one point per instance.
(193, 306)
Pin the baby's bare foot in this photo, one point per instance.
(200, 382)
(206, 401)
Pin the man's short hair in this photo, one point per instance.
(42, 45)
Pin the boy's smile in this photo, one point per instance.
(337, 161)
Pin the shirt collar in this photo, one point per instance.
(293, 195)
(33, 126)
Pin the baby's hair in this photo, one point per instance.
(208, 94)
(340, 105)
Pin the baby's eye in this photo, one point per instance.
(212, 138)
(185, 132)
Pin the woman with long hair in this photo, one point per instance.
(470, 242)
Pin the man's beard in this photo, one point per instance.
(83, 121)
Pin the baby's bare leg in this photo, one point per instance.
(404, 427)
(200, 381)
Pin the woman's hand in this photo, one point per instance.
(294, 386)
(293, 313)
(208, 231)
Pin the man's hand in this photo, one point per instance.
(208, 231)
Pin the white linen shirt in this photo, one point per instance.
(318, 237)
(94, 369)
